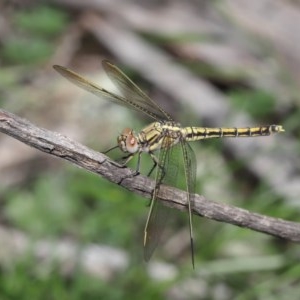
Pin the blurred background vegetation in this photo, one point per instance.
(68, 234)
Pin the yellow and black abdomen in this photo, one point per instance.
(197, 133)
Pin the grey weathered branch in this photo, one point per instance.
(63, 147)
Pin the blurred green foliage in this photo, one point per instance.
(20, 283)
(42, 21)
(26, 50)
(258, 104)
(35, 30)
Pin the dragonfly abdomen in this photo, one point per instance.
(197, 133)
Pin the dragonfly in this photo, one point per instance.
(166, 141)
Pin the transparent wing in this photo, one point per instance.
(190, 168)
(167, 173)
(97, 90)
(131, 91)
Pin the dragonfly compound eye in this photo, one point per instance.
(127, 141)
(131, 143)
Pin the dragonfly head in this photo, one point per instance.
(128, 141)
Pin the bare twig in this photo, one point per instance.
(63, 147)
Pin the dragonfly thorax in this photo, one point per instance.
(158, 135)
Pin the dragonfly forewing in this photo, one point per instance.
(132, 92)
(136, 102)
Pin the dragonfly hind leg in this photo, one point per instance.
(155, 164)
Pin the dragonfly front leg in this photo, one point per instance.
(137, 171)
(127, 158)
(123, 161)
(110, 149)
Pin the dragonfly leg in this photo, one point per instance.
(137, 171)
(153, 167)
(123, 161)
(155, 163)
(110, 149)
(127, 159)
